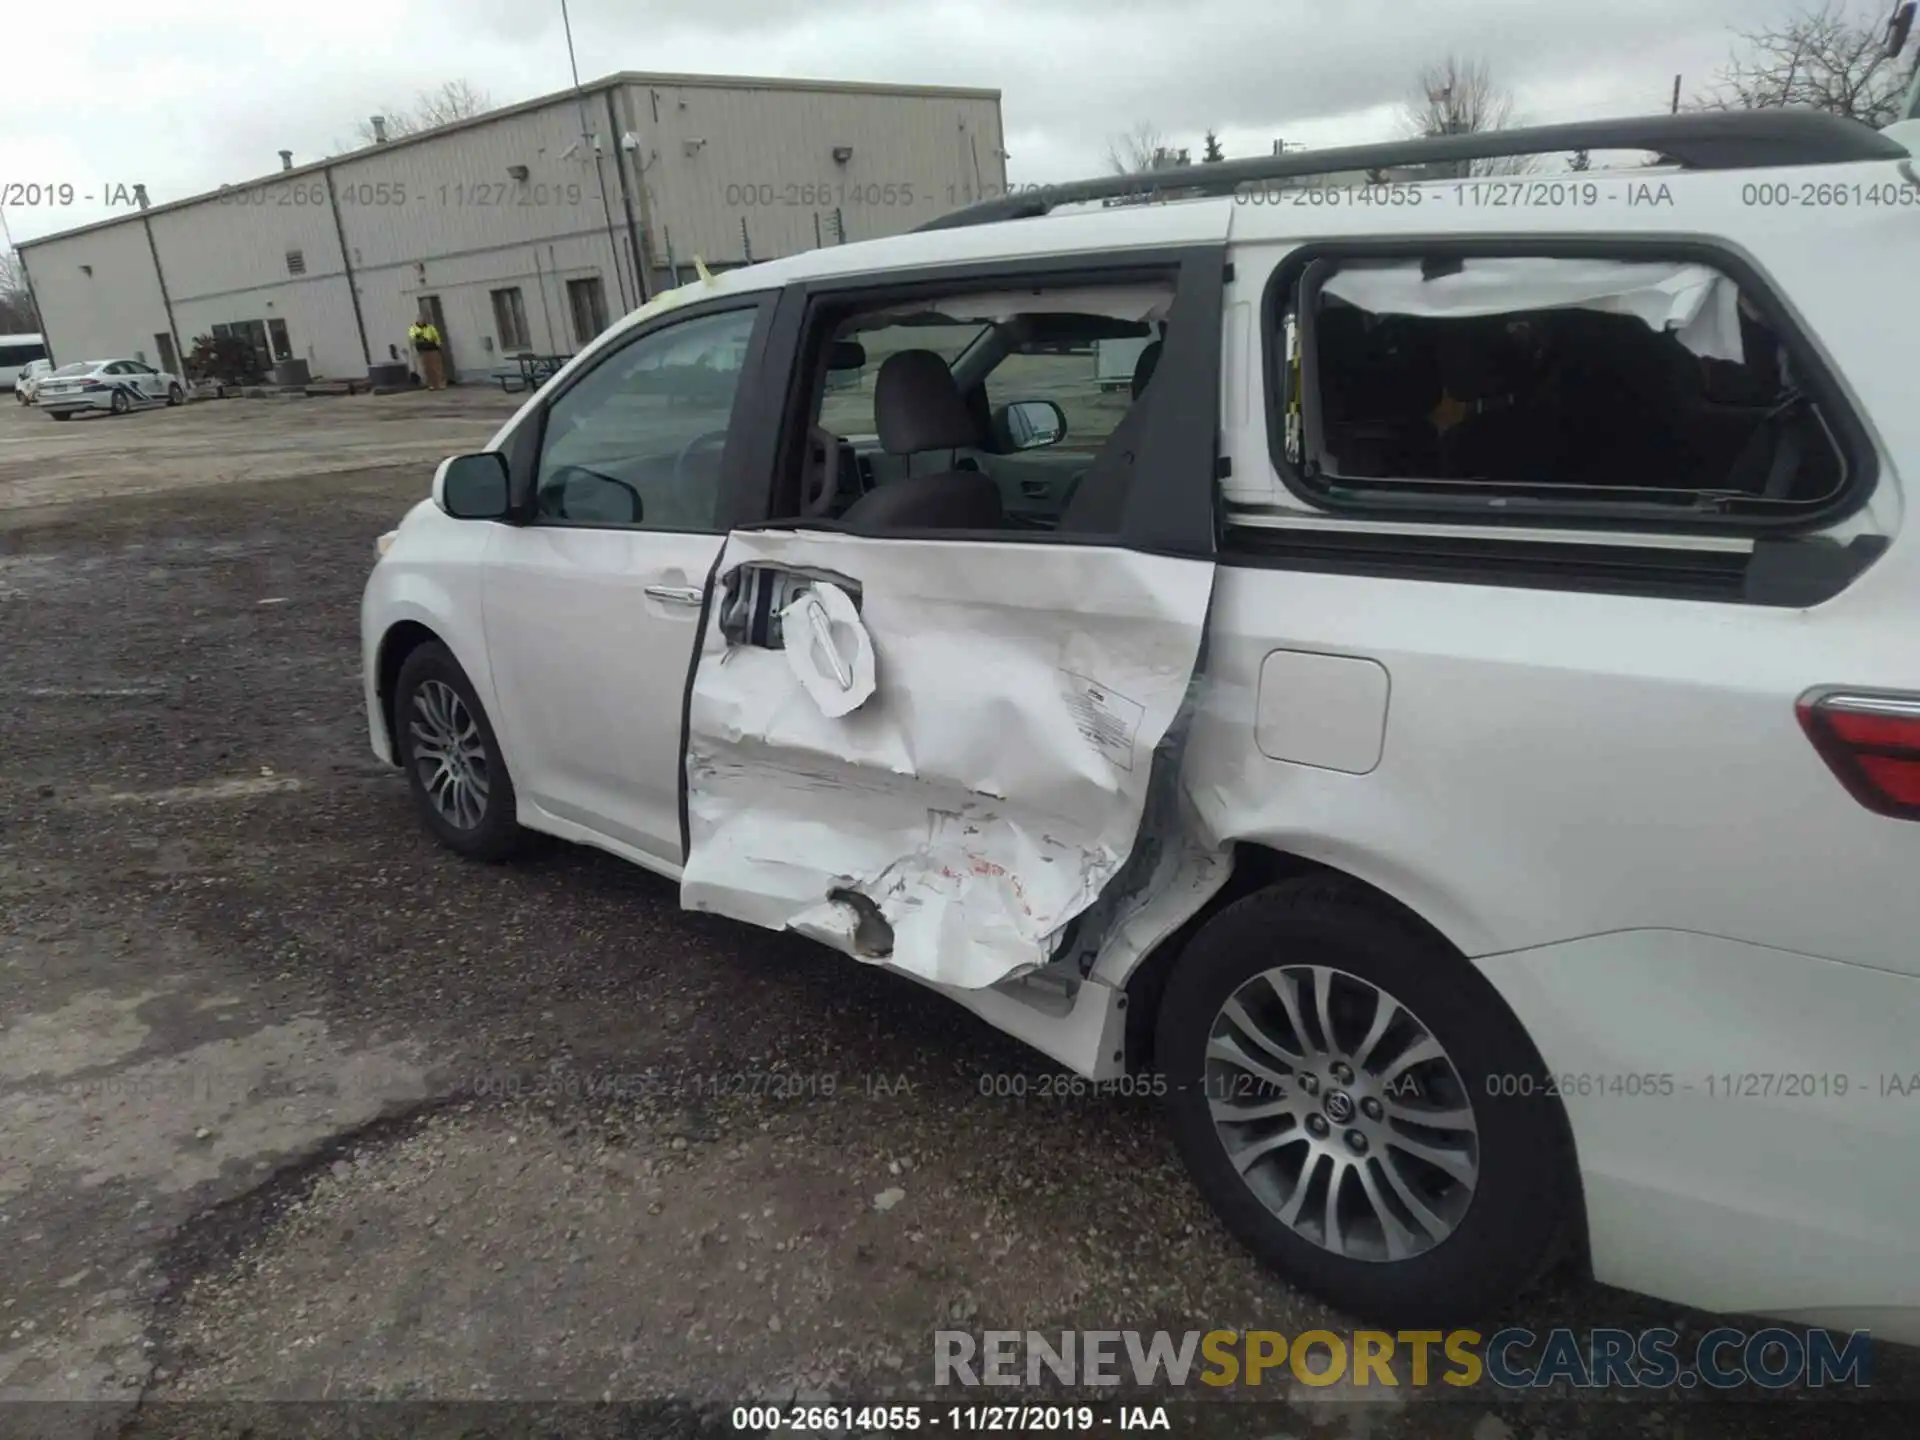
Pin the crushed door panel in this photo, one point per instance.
(932, 754)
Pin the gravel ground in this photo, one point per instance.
(296, 1106)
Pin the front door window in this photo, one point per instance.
(637, 443)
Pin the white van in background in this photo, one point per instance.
(15, 352)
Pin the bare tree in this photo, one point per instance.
(1833, 58)
(1143, 148)
(1460, 97)
(17, 315)
(454, 100)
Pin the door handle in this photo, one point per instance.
(1035, 489)
(673, 594)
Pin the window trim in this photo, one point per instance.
(1160, 516)
(523, 445)
(1856, 449)
(517, 312)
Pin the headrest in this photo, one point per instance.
(917, 406)
(1144, 366)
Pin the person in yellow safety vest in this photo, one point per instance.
(424, 336)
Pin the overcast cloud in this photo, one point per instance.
(195, 93)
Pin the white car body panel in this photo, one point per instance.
(561, 603)
(432, 575)
(992, 784)
(1778, 1174)
(1604, 801)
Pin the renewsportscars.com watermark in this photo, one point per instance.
(1775, 1358)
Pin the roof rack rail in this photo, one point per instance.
(1706, 140)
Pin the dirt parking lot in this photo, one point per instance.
(294, 1105)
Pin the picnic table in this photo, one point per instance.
(529, 371)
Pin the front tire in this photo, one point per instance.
(120, 403)
(176, 396)
(453, 762)
(1337, 1085)
(61, 414)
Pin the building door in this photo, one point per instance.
(169, 361)
(281, 341)
(255, 334)
(438, 317)
(587, 299)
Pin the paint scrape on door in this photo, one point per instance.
(932, 755)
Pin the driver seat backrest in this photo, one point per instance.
(1100, 495)
(917, 407)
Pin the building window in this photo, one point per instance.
(587, 299)
(277, 335)
(296, 262)
(510, 320)
(220, 331)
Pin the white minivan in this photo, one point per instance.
(16, 353)
(1450, 725)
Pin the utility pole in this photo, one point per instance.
(599, 175)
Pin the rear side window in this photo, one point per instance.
(1649, 389)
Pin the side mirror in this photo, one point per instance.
(1029, 425)
(472, 487)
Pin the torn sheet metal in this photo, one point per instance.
(990, 785)
(1696, 303)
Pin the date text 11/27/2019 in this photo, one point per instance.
(894, 1419)
(484, 194)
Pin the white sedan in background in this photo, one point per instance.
(29, 378)
(115, 385)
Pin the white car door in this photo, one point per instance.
(935, 750)
(592, 605)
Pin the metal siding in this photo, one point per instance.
(117, 310)
(466, 228)
(780, 143)
(318, 315)
(226, 260)
(240, 243)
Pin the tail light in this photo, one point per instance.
(1871, 743)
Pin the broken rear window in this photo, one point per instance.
(1523, 384)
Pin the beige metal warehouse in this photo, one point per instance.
(518, 228)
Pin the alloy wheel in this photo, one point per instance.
(1342, 1113)
(449, 754)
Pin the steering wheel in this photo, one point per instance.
(1073, 484)
(694, 494)
(552, 498)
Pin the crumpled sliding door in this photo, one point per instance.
(931, 754)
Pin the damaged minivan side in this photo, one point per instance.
(940, 757)
(1446, 713)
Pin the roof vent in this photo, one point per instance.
(140, 196)
(379, 124)
(286, 159)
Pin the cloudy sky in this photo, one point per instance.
(189, 94)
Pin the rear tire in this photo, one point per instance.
(61, 414)
(120, 403)
(1488, 1220)
(453, 762)
(175, 395)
